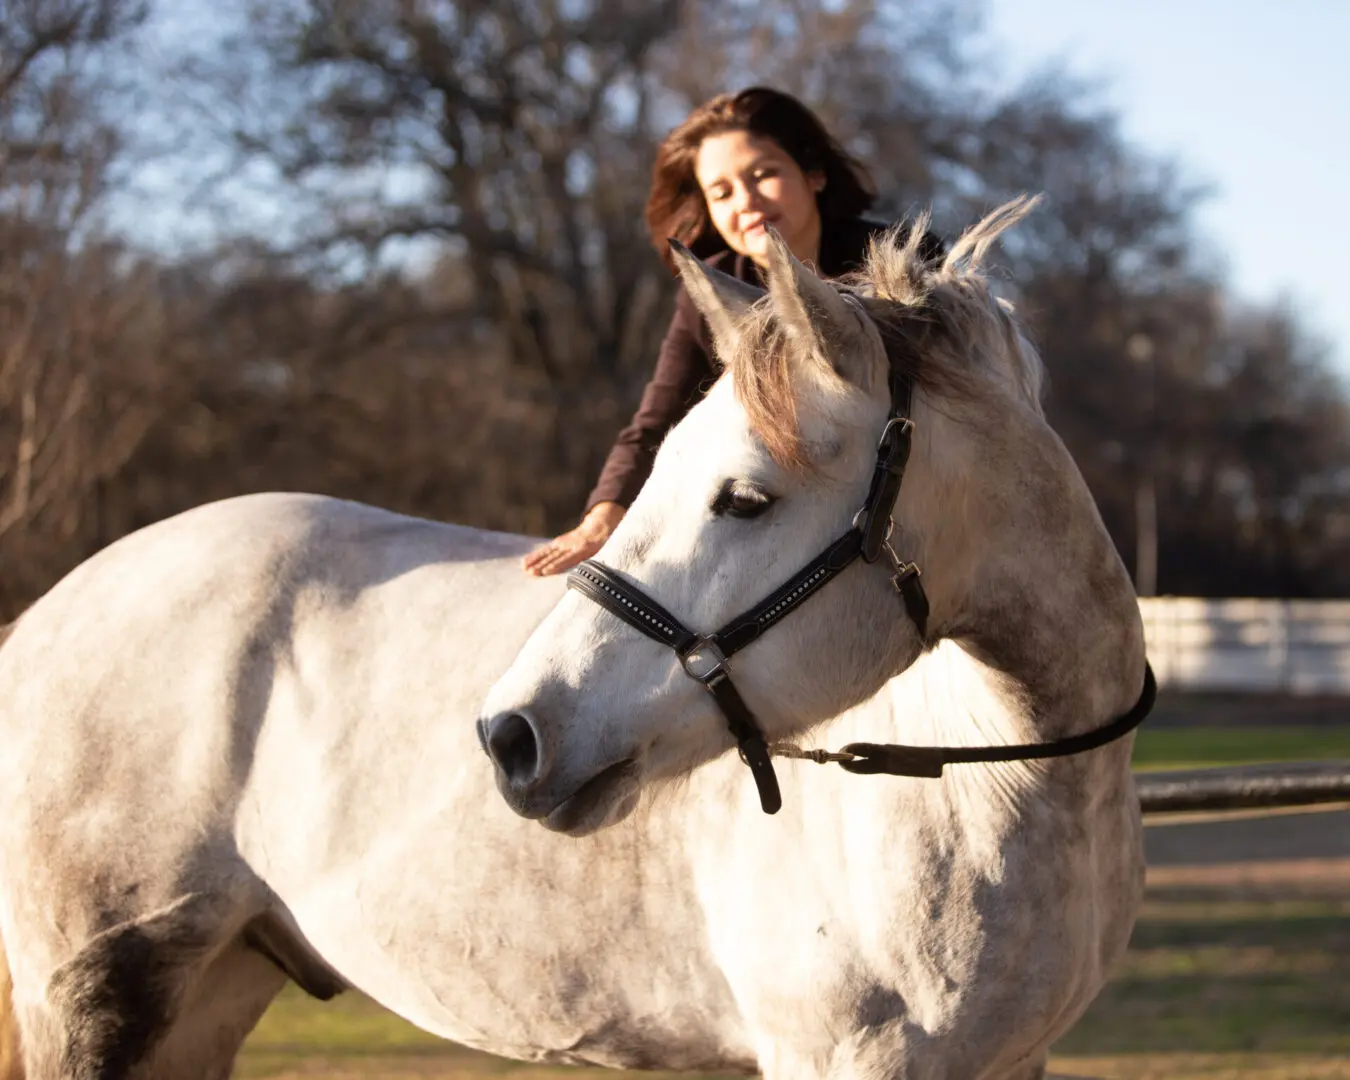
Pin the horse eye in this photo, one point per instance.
(741, 500)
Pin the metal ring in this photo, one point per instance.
(694, 660)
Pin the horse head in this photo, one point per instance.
(794, 454)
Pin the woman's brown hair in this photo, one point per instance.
(675, 205)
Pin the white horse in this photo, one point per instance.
(239, 745)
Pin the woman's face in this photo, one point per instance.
(748, 182)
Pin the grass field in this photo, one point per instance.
(1198, 747)
(1216, 985)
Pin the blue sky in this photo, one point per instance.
(1252, 99)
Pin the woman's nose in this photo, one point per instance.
(750, 199)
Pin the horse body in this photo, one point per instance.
(286, 772)
(240, 747)
(288, 786)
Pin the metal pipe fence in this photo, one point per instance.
(1244, 787)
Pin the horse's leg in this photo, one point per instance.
(169, 994)
(213, 1018)
(230, 995)
(107, 1009)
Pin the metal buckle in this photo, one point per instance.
(885, 447)
(861, 518)
(703, 661)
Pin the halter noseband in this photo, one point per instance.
(704, 656)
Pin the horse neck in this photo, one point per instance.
(950, 697)
(1026, 580)
(947, 697)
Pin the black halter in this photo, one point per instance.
(704, 656)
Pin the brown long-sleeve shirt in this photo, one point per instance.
(686, 366)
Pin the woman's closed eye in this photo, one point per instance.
(741, 499)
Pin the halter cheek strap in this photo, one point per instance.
(704, 656)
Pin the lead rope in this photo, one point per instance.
(897, 759)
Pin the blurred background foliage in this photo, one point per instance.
(393, 250)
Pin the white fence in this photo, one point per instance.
(1285, 646)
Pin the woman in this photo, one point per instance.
(739, 162)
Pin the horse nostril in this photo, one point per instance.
(512, 745)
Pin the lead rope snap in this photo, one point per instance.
(820, 757)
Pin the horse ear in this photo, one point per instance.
(721, 299)
(818, 316)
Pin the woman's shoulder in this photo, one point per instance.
(845, 241)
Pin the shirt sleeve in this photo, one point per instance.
(683, 373)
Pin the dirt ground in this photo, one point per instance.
(1274, 839)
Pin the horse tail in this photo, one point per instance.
(11, 1062)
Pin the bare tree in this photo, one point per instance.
(510, 134)
(72, 392)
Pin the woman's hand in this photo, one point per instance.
(565, 551)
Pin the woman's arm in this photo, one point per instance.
(683, 373)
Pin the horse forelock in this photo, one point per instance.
(762, 379)
(776, 382)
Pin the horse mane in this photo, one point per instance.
(939, 324)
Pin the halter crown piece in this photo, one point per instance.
(705, 657)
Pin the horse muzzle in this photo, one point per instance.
(535, 790)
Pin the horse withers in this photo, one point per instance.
(242, 746)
